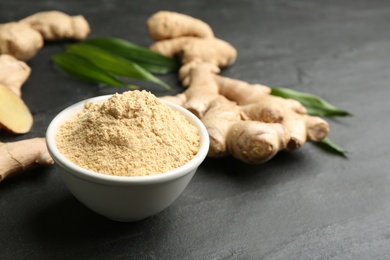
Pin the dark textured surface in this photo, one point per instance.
(301, 205)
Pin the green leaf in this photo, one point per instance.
(329, 145)
(144, 57)
(84, 69)
(112, 63)
(315, 105)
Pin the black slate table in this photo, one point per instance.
(306, 204)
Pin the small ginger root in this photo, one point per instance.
(23, 39)
(55, 25)
(243, 120)
(188, 38)
(19, 40)
(188, 49)
(167, 25)
(18, 156)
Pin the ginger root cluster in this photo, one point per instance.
(19, 42)
(243, 120)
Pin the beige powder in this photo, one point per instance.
(131, 134)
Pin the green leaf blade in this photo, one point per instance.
(144, 57)
(329, 145)
(112, 63)
(315, 105)
(84, 70)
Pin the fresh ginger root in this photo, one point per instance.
(24, 38)
(21, 155)
(211, 50)
(189, 38)
(55, 25)
(168, 25)
(19, 40)
(230, 133)
(242, 119)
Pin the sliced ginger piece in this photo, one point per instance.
(14, 114)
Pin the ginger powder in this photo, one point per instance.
(130, 134)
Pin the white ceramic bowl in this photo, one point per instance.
(124, 198)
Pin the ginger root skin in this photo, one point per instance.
(167, 25)
(19, 40)
(55, 25)
(13, 73)
(255, 142)
(19, 156)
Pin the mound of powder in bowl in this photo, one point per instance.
(130, 134)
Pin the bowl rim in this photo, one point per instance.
(93, 176)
